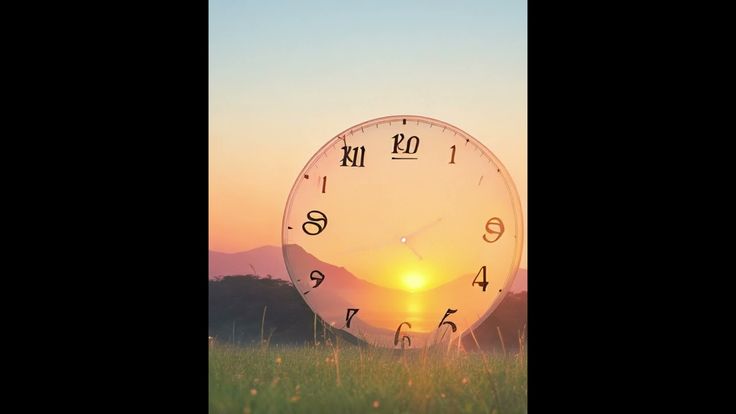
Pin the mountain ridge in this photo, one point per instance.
(268, 260)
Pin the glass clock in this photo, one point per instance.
(403, 231)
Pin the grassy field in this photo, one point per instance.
(347, 378)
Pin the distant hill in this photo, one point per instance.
(520, 283)
(236, 306)
(342, 290)
(269, 260)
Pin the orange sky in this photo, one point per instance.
(280, 91)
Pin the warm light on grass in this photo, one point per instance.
(433, 380)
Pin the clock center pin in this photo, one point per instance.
(403, 240)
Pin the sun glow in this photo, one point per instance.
(414, 281)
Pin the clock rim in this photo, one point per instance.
(508, 180)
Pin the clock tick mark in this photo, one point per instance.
(306, 176)
(289, 227)
(307, 292)
(404, 121)
(499, 290)
(481, 179)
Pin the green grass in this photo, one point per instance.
(360, 379)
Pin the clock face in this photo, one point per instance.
(403, 231)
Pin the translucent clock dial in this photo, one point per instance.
(403, 223)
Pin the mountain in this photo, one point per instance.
(267, 260)
(340, 290)
(237, 304)
(520, 282)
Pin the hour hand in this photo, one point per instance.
(413, 250)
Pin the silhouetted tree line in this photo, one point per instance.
(236, 306)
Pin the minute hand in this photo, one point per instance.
(409, 236)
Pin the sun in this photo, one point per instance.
(414, 281)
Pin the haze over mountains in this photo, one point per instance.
(269, 260)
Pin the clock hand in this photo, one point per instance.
(403, 240)
(406, 243)
(422, 229)
(368, 247)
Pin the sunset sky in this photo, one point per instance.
(285, 77)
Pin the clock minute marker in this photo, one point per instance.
(481, 180)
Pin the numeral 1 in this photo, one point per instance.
(452, 158)
(324, 183)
